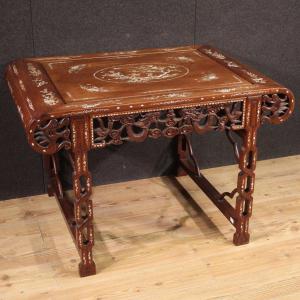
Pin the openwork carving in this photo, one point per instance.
(276, 108)
(83, 206)
(246, 177)
(52, 135)
(169, 123)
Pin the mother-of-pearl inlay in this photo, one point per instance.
(141, 73)
(92, 88)
(209, 77)
(76, 68)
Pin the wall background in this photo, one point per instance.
(264, 34)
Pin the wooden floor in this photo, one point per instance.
(152, 242)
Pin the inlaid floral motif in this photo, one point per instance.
(92, 88)
(87, 106)
(225, 90)
(231, 64)
(170, 96)
(49, 97)
(39, 82)
(255, 77)
(182, 58)
(209, 77)
(141, 73)
(76, 68)
(15, 69)
(36, 75)
(214, 54)
(33, 71)
(22, 86)
(30, 105)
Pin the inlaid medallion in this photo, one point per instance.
(141, 73)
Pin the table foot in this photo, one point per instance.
(241, 238)
(87, 270)
(180, 172)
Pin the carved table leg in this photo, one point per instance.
(51, 165)
(182, 153)
(83, 207)
(246, 177)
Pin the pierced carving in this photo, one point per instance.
(246, 177)
(83, 206)
(50, 136)
(228, 194)
(276, 108)
(169, 123)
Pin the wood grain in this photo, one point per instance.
(152, 243)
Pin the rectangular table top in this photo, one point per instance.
(131, 81)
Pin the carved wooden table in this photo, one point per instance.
(77, 103)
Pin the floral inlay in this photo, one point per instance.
(33, 71)
(39, 82)
(76, 68)
(255, 77)
(15, 69)
(36, 74)
(225, 90)
(170, 96)
(231, 64)
(182, 58)
(30, 105)
(141, 73)
(214, 54)
(92, 88)
(209, 77)
(87, 106)
(22, 85)
(49, 97)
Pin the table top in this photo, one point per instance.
(131, 81)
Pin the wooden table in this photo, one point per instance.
(77, 103)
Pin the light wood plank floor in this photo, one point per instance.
(152, 244)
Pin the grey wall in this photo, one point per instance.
(264, 34)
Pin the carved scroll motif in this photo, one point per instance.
(276, 108)
(50, 136)
(169, 123)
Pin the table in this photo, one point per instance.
(78, 103)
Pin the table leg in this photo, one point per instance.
(246, 176)
(78, 212)
(82, 186)
(182, 153)
(83, 210)
(246, 157)
(52, 167)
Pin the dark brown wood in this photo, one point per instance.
(83, 206)
(246, 177)
(78, 103)
(169, 123)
